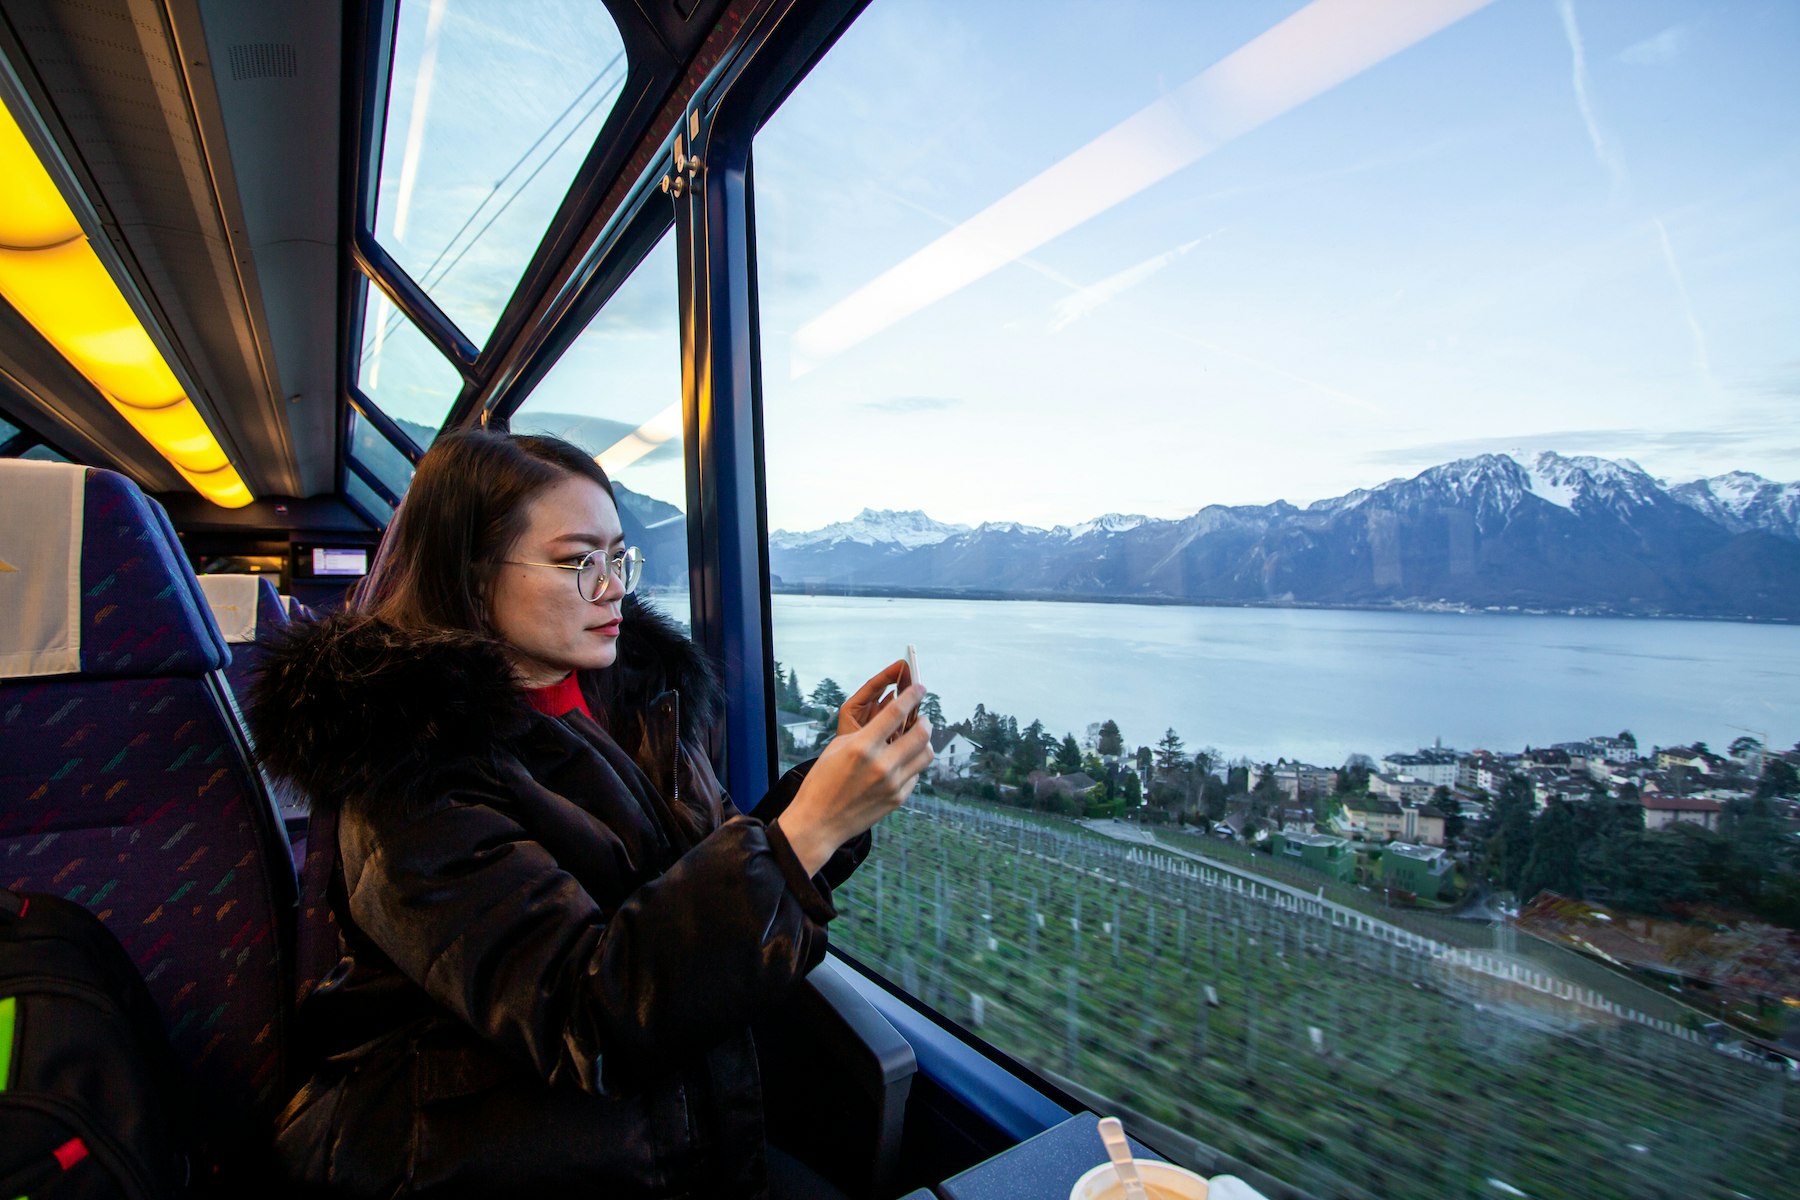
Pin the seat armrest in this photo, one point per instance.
(836, 1075)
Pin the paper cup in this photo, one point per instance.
(1163, 1181)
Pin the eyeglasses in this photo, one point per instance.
(596, 567)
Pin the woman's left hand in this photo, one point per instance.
(861, 708)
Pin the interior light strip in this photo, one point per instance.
(50, 273)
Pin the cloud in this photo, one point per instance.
(1665, 47)
(910, 404)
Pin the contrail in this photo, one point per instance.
(1702, 359)
(1609, 158)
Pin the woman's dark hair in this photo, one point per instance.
(464, 511)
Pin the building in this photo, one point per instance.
(1402, 788)
(802, 728)
(955, 754)
(1422, 823)
(1435, 766)
(1662, 811)
(1329, 856)
(1422, 870)
(1298, 780)
(1373, 817)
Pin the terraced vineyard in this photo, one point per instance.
(1347, 1060)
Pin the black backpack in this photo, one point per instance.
(92, 1100)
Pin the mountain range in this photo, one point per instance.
(1543, 532)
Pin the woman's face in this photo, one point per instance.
(548, 628)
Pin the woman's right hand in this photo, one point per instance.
(860, 778)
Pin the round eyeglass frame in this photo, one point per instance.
(627, 564)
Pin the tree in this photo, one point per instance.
(1111, 742)
(1510, 845)
(1132, 790)
(1168, 751)
(1744, 745)
(1554, 863)
(932, 710)
(1353, 776)
(828, 695)
(1144, 759)
(1068, 756)
(1778, 779)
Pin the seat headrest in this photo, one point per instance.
(97, 571)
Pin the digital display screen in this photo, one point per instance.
(327, 560)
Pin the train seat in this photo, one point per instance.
(245, 607)
(125, 781)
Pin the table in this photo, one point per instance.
(1044, 1167)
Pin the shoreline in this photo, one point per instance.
(887, 592)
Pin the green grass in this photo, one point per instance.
(1425, 1083)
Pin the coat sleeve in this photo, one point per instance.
(845, 859)
(482, 917)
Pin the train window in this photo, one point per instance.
(1281, 429)
(8, 431)
(492, 106)
(402, 372)
(44, 453)
(367, 498)
(616, 392)
(375, 452)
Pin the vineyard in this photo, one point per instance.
(1346, 1056)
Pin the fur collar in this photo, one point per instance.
(352, 703)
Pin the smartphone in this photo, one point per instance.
(907, 679)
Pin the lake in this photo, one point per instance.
(1314, 684)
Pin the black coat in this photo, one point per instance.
(554, 938)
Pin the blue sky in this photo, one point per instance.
(1275, 255)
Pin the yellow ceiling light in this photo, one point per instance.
(50, 273)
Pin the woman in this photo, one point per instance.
(555, 928)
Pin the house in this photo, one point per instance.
(1075, 784)
(1403, 788)
(1435, 766)
(1329, 856)
(1374, 818)
(802, 728)
(1297, 779)
(955, 754)
(1422, 823)
(1662, 811)
(1293, 818)
(1422, 870)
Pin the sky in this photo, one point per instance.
(1039, 261)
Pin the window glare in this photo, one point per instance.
(616, 393)
(402, 372)
(492, 106)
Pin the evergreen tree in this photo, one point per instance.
(932, 710)
(828, 695)
(1111, 742)
(1554, 862)
(1029, 754)
(1131, 790)
(1169, 751)
(1068, 756)
(1144, 759)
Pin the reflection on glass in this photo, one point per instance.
(378, 454)
(402, 372)
(617, 394)
(492, 106)
(1264, 434)
(366, 496)
(7, 430)
(43, 453)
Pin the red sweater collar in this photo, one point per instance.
(560, 698)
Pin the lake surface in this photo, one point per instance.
(1309, 683)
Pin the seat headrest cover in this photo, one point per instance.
(233, 600)
(40, 567)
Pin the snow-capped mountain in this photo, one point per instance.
(1742, 501)
(872, 527)
(1538, 531)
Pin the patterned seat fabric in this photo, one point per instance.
(247, 657)
(128, 788)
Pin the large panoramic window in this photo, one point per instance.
(1336, 464)
(616, 393)
(402, 372)
(492, 105)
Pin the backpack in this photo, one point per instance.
(92, 1100)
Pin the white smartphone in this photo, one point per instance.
(907, 679)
